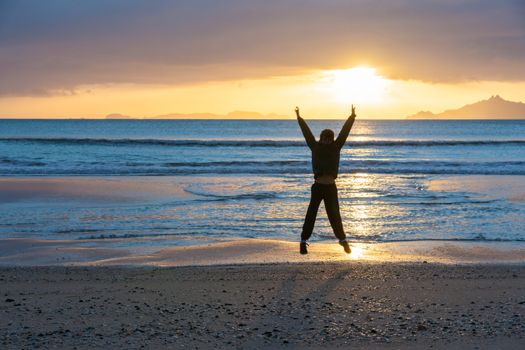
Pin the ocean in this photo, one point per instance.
(399, 180)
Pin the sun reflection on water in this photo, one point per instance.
(359, 211)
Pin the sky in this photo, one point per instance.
(392, 58)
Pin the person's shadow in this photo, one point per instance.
(296, 306)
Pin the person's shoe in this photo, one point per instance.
(346, 246)
(302, 248)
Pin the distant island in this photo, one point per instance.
(231, 115)
(493, 108)
(118, 116)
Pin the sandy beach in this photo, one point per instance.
(314, 305)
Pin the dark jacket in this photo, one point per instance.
(325, 157)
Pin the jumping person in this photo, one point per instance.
(325, 165)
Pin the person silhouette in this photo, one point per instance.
(325, 166)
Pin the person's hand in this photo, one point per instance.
(297, 112)
(353, 111)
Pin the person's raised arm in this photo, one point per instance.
(308, 136)
(343, 135)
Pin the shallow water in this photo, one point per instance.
(252, 179)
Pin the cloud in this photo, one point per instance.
(57, 45)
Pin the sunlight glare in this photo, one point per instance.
(355, 85)
(357, 252)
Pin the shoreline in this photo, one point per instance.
(161, 252)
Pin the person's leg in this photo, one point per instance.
(311, 213)
(331, 203)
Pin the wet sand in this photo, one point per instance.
(85, 188)
(314, 305)
(189, 251)
(492, 186)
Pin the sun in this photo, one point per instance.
(355, 85)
